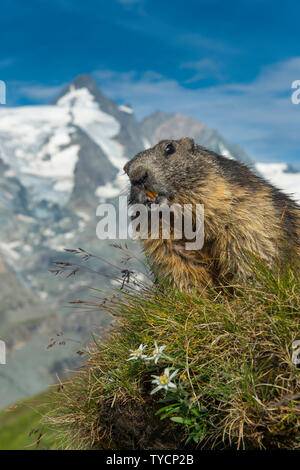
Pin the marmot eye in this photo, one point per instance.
(169, 149)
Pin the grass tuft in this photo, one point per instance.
(236, 384)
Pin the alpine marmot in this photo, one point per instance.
(244, 214)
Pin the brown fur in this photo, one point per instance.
(244, 215)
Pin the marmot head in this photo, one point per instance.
(161, 172)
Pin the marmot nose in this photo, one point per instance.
(139, 176)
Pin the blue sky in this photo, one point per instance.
(228, 63)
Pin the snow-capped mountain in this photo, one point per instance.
(282, 176)
(44, 147)
(57, 162)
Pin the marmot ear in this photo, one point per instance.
(188, 142)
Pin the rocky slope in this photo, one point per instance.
(160, 126)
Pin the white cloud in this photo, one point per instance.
(204, 68)
(198, 41)
(40, 92)
(35, 92)
(258, 115)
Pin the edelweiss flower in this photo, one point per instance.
(157, 353)
(164, 381)
(137, 353)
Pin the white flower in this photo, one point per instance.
(157, 353)
(163, 381)
(137, 353)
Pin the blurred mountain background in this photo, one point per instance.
(57, 163)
